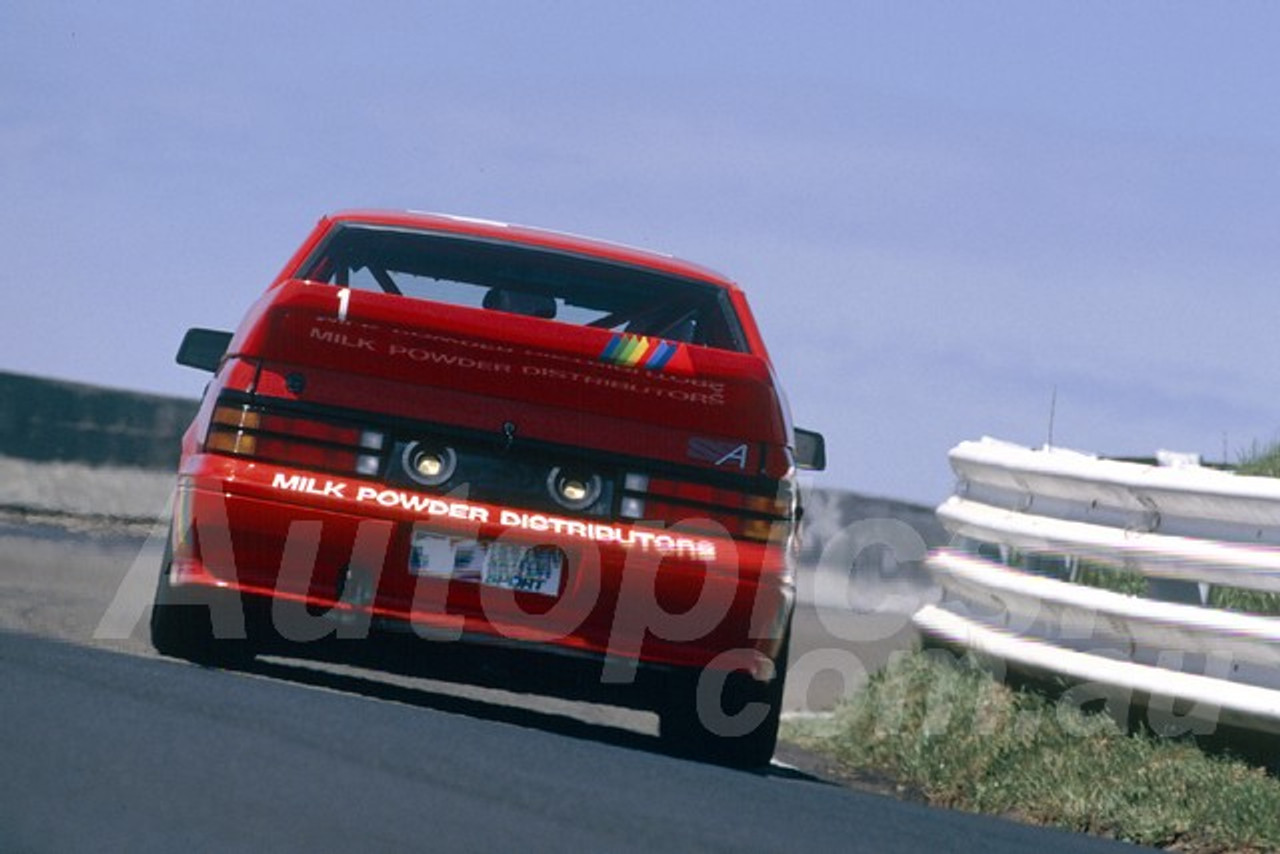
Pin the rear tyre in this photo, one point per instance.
(181, 628)
(700, 722)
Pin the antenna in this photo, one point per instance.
(1053, 411)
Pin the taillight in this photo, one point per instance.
(233, 430)
(753, 515)
(248, 431)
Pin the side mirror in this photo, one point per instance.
(203, 349)
(811, 450)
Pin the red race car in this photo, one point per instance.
(498, 454)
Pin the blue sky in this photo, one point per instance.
(941, 211)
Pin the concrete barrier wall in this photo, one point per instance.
(51, 420)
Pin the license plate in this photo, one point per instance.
(527, 569)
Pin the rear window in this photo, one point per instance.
(558, 286)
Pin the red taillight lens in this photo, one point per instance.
(751, 515)
(304, 455)
(305, 428)
(777, 504)
(249, 431)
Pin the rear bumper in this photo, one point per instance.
(335, 554)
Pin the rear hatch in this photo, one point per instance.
(532, 379)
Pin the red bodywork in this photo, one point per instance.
(293, 481)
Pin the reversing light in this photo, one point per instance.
(429, 464)
(632, 507)
(369, 464)
(572, 489)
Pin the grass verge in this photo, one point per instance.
(940, 726)
(1260, 460)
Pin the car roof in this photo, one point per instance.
(539, 237)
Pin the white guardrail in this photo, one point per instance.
(1037, 536)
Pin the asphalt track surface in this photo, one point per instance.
(106, 747)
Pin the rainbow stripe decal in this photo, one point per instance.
(638, 351)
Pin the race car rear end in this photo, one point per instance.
(504, 438)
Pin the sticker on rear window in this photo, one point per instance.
(639, 351)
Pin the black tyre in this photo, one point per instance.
(729, 720)
(183, 628)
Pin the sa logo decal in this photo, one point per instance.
(719, 453)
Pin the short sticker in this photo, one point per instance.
(719, 453)
(639, 351)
